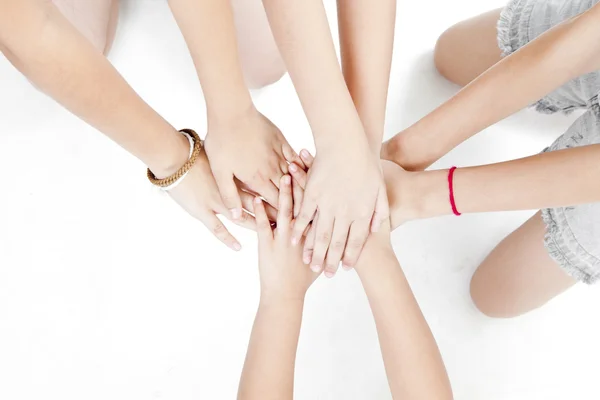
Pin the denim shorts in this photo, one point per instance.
(572, 233)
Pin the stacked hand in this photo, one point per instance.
(248, 152)
(345, 199)
(282, 273)
(242, 158)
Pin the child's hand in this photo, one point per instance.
(249, 150)
(199, 196)
(403, 192)
(282, 273)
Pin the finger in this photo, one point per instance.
(324, 229)
(219, 230)
(263, 225)
(382, 210)
(245, 221)
(299, 175)
(305, 216)
(309, 244)
(307, 158)
(248, 204)
(298, 195)
(291, 156)
(359, 232)
(284, 217)
(269, 192)
(229, 194)
(276, 176)
(336, 247)
(283, 166)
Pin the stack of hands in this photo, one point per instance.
(339, 201)
(412, 360)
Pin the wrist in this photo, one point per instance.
(280, 300)
(431, 194)
(175, 152)
(226, 113)
(412, 149)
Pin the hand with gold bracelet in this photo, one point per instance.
(194, 188)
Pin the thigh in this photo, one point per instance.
(468, 48)
(95, 19)
(259, 55)
(518, 275)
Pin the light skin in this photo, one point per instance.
(412, 360)
(559, 55)
(284, 280)
(343, 200)
(69, 66)
(242, 145)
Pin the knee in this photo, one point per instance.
(444, 54)
(263, 71)
(489, 298)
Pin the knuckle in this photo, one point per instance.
(324, 238)
(338, 245)
(304, 216)
(263, 224)
(355, 244)
(219, 230)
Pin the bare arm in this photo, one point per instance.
(524, 184)
(46, 48)
(412, 360)
(302, 33)
(209, 31)
(350, 197)
(559, 55)
(269, 368)
(366, 38)
(241, 143)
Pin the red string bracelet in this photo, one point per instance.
(451, 191)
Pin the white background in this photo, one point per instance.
(109, 291)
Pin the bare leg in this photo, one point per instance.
(259, 54)
(95, 19)
(518, 276)
(468, 49)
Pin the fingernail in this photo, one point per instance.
(315, 268)
(346, 267)
(329, 274)
(304, 154)
(235, 213)
(287, 180)
(293, 167)
(294, 241)
(237, 246)
(306, 259)
(257, 200)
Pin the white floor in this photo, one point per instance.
(94, 304)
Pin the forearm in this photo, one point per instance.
(412, 360)
(268, 372)
(561, 54)
(209, 31)
(554, 179)
(302, 33)
(366, 39)
(47, 49)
